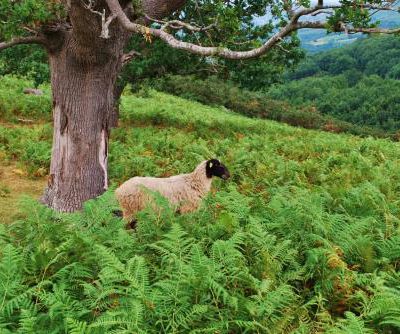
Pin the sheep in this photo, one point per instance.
(184, 191)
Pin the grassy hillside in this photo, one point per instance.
(304, 238)
(296, 109)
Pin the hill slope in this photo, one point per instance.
(303, 239)
(358, 84)
(376, 55)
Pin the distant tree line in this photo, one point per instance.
(378, 55)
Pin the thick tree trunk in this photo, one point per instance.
(83, 103)
(84, 68)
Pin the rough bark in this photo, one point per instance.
(158, 9)
(83, 76)
(83, 101)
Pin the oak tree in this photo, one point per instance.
(86, 44)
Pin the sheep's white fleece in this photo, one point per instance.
(185, 191)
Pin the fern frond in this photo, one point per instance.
(77, 327)
(351, 325)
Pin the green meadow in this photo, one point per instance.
(304, 237)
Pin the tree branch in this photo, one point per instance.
(193, 48)
(176, 24)
(22, 40)
(105, 22)
(317, 9)
(293, 25)
(344, 28)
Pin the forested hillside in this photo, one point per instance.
(304, 238)
(353, 89)
(378, 55)
(358, 83)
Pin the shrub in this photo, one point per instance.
(30, 146)
(15, 104)
(280, 105)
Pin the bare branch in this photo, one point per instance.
(344, 28)
(22, 40)
(90, 6)
(32, 31)
(105, 22)
(280, 47)
(319, 9)
(389, 6)
(193, 48)
(24, 120)
(308, 11)
(312, 25)
(291, 26)
(176, 24)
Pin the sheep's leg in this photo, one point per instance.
(128, 217)
(131, 225)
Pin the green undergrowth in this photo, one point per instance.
(216, 92)
(304, 237)
(15, 105)
(29, 146)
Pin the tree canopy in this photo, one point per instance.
(225, 24)
(239, 25)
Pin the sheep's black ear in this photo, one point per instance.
(209, 166)
(213, 162)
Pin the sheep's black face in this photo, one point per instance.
(215, 168)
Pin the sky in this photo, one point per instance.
(262, 19)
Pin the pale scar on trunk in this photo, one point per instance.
(103, 156)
